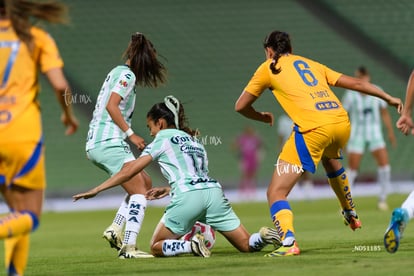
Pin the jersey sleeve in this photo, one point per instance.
(49, 57)
(124, 83)
(331, 75)
(260, 80)
(155, 148)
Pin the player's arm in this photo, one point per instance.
(157, 193)
(113, 109)
(405, 122)
(125, 174)
(386, 118)
(244, 105)
(63, 94)
(368, 88)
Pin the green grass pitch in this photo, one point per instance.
(70, 243)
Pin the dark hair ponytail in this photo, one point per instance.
(148, 70)
(173, 112)
(280, 43)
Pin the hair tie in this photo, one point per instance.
(174, 106)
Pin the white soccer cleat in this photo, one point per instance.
(199, 247)
(270, 236)
(129, 251)
(113, 235)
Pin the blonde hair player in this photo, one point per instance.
(26, 50)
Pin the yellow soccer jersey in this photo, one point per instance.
(302, 89)
(19, 111)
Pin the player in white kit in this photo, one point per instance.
(402, 215)
(111, 125)
(367, 114)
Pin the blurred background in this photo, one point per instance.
(211, 49)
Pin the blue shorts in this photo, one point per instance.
(209, 206)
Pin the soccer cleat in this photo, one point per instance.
(270, 236)
(395, 230)
(113, 235)
(283, 251)
(199, 247)
(351, 219)
(129, 251)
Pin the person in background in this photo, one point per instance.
(367, 114)
(284, 130)
(249, 147)
(321, 128)
(111, 125)
(402, 215)
(26, 51)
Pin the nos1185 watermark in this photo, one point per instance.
(367, 248)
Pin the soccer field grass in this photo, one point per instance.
(70, 243)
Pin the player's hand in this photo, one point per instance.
(86, 195)
(70, 122)
(405, 124)
(397, 103)
(157, 193)
(268, 118)
(138, 141)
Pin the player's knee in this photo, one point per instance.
(35, 219)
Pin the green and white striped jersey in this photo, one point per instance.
(365, 116)
(102, 129)
(182, 159)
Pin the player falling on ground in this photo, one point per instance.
(195, 196)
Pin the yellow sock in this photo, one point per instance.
(16, 254)
(339, 183)
(17, 223)
(282, 217)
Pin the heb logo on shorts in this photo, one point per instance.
(326, 105)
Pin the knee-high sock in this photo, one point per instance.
(136, 211)
(121, 214)
(384, 180)
(282, 217)
(17, 223)
(339, 183)
(16, 254)
(408, 204)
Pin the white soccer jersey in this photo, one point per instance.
(365, 117)
(182, 159)
(102, 129)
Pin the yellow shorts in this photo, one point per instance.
(305, 150)
(23, 164)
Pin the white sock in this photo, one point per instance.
(136, 211)
(384, 180)
(121, 214)
(175, 247)
(352, 174)
(409, 205)
(256, 242)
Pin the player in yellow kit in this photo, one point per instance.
(322, 128)
(24, 50)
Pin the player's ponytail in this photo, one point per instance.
(173, 112)
(280, 43)
(148, 70)
(20, 12)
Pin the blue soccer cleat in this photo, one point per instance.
(393, 234)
